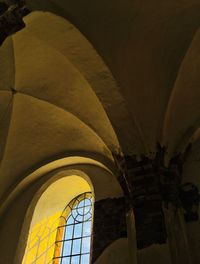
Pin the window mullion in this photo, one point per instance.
(82, 230)
(72, 244)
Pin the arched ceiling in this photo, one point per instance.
(183, 113)
(44, 73)
(144, 44)
(152, 50)
(49, 109)
(6, 55)
(66, 39)
(40, 131)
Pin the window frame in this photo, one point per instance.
(68, 213)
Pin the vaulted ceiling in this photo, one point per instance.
(58, 97)
(148, 47)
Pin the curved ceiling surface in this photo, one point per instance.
(48, 108)
(152, 50)
(144, 44)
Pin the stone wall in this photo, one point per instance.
(11, 17)
(147, 203)
(109, 224)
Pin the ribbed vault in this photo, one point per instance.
(144, 45)
(93, 78)
(51, 73)
(48, 108)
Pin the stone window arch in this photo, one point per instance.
(57, 211)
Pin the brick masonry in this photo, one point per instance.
(148, 185)
(147, 202)
(109, 224)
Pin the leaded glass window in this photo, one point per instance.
(73, 240)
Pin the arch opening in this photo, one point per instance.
(49, 238)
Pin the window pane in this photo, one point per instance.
(81, 204)
(76, 234)
(87, 228)
(65, 261)
(87, 209)
(87, 202)
(80, 210)
(77, 230)
(67, 248)
(70, 220)
(76, 246)
(79, 218)
(68, 231)
(87, 217)
(85, 245)
(85, 259)
(75, 260)
(74, 213)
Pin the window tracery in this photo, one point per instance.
(73, 241)
(63, 238)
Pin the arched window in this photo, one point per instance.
(73, 240)
(61, 225)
